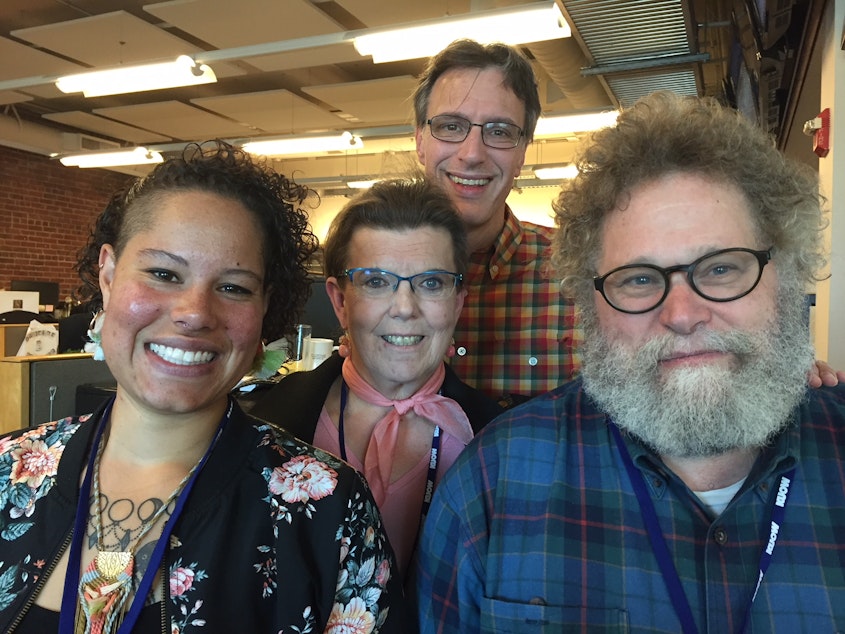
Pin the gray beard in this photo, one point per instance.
(703, 411)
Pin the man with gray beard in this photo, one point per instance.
(688, 481)
(708, 409)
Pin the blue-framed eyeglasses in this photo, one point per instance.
(495, 134)
(378, 284)
(720, 276)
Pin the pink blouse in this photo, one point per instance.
(402, 505)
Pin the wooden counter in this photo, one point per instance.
(34, 390)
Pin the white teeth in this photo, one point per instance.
(469, 181)
(397, 340)
(178, 356)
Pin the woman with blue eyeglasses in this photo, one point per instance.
(388, 403)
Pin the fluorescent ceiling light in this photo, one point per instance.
(556, 172)
(362, 184)
(535, 22)
(570, 124)
(183, 71)
(305, 144)
(134, 156)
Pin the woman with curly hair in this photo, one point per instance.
(170, 509)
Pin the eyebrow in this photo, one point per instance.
(701, 251)
(463, 116)
(159, 253)
(183, 262)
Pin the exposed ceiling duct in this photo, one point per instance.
(563, 61)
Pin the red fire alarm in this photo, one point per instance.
(819, 128)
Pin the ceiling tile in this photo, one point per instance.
(10, 96)
(175, 119)
(29, 62)
(110, 39)
(107, 127)
(377, 101)
(226, 24)
(375, 13)
(272, 111)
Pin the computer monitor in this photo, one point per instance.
(319, 312)
(48, 292)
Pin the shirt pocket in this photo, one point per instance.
(507, 617)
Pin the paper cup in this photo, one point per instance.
(320, 350)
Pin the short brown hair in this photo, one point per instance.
(395, 205)
(516, 69)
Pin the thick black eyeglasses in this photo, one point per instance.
(495, 134)
(720, 276)
(380, 284)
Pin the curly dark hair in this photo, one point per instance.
(218, 168)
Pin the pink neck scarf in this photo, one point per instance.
(426, 402)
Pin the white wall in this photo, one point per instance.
(532, 204)
(829, 327)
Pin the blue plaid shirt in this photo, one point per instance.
(537, 528)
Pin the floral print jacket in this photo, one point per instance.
(276, 537)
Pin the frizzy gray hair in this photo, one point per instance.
(664, 133)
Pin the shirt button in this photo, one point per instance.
(537, 601)
(461, 351)
(721, 536)
(532, 361)
(494, 271)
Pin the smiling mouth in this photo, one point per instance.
(473, 182)
(683, 357)
(403, 340)
(177, 356)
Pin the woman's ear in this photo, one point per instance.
(337, 296)
(107, 265)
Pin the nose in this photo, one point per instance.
(403, 302)
(683, 310)
(194, 309)
(472, 148)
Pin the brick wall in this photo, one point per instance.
(46, 212)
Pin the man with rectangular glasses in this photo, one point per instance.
(476, 108)
(688, 481)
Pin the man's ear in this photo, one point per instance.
(337, 296)
(107, 264)
(521, 162)
(420, 147)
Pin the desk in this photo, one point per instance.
(35, 390)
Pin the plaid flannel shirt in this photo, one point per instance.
(537, 528)
(516, 335)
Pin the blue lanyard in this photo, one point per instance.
(69, 597)
(432, 463)
(661, 549)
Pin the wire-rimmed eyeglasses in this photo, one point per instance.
(720, 276)
(495, 134)
(379, 284)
